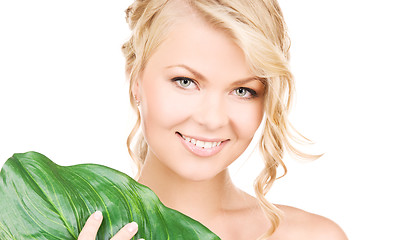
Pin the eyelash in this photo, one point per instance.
(177, 80)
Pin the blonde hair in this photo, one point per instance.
(258, 28)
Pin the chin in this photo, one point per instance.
(197, 175)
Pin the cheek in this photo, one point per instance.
(246, 118)
(160, 105)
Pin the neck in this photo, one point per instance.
(197, 199)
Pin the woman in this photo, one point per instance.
(203, 75)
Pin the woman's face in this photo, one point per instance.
(200, 104)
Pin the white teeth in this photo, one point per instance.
(201, 144)
(208, 145)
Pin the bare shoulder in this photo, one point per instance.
(299, 224)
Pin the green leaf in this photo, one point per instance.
(42, 200)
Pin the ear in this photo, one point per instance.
(136, 90)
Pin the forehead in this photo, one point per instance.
(193, 42)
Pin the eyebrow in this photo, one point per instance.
(202, 77)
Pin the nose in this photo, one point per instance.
(211, 112)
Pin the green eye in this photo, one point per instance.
(245, 93)
(241, 92)
(185, 82)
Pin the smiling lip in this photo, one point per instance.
(199, 151)
(204, 139)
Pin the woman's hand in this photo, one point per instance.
(92, 225)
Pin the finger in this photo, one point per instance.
(127, 232)
(91, 227)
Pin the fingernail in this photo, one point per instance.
(132, 227)
(98, 215)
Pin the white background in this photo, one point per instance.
(63, 93)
